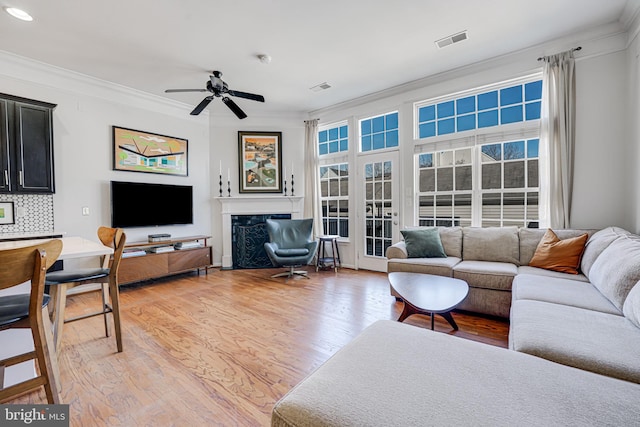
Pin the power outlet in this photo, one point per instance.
(85, 211)
(20, 211)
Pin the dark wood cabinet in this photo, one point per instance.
(26, 146)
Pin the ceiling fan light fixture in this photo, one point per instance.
(219, 89)
(18, 13)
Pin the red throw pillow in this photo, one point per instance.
(559, 255)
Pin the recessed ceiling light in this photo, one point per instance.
(265, 59)
(18, 13)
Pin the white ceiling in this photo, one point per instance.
(358, 46)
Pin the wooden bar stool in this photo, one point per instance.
(322, 259)
(106, 276)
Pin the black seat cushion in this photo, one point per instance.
(77, 275)
(16, 307)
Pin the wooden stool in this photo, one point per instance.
(322, 257)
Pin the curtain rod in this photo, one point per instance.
(575, 49)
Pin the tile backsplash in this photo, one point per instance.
(38, 213)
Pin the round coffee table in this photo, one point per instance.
(428, 294)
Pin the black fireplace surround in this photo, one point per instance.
(248, 235)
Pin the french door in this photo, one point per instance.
(379, 183)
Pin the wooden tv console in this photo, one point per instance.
(150, 265)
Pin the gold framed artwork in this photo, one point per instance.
(140, 151)
(260, 162)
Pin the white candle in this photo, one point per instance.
(292, 168)
(220, 167)
(285, 172)
(228, 175)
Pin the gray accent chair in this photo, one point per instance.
(290, 244)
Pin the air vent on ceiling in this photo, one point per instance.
(321, 86)
(454, 38)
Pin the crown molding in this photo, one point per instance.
(49, 76)
(630, 19)
(598, 41)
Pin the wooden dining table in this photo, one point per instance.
(72, 247)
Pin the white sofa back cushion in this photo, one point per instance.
(617, 270)
(499, 244)
(631, 308)
(597, 243)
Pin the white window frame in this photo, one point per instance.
(340, 199)
(370, 117)
(526, 189)
(338, 125)
(435, 193)
(337, 158)
(474, 139)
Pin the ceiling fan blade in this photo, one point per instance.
(201, 106)
(246, 95)
(184, 90)
(234, 107)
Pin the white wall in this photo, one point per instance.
(605, 178)
(224, 147)
(633, 89)
(603, 181)
(83, 153)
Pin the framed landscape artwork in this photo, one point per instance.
(260, 162)
(139, 151)
(6, 213)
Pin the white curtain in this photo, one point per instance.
(311, 182)
(557, 140)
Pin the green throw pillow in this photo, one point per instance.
(423, 243)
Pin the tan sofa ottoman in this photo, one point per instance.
(395, 374)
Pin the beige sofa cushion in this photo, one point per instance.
(498, 244)
(603, 343)
(617, 269)
(451, 238)
(561, 291)
(394, 374)
(526, 269)
(631, 308)
(597, 243)
(437, 266)
(486, 274)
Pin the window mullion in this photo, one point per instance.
(476, 198)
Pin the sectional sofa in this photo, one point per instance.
(488, 259)
(574, 356)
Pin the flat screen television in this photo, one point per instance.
(136, 204)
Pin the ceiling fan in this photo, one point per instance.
(219, 89)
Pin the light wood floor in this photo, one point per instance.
(221, 349)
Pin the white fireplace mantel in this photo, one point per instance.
(253, 205)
